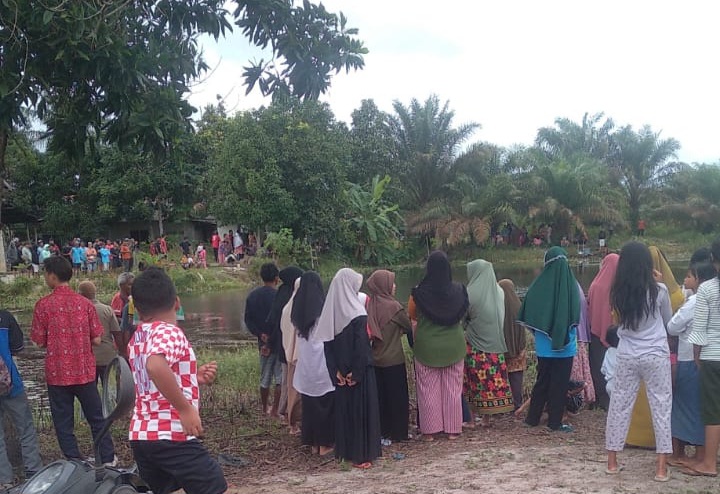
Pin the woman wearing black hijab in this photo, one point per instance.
(288, 276)
(312, 379)
(439, 305)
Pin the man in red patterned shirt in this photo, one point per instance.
(67, 325)
(166, 425)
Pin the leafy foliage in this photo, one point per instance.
(374, 223)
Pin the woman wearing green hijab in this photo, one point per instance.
(486, 384)
(551, 310)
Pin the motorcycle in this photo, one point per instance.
(80, 477)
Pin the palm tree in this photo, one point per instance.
(690, 197)
(590, 137)
(427, 145)
(641, 160)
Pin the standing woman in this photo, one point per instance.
(343, 327)
(581, 363)
(486, 384)
(439, 305)
(643, 309)
(282, 296)
(388, 322)
(706, 334)
(515, 340)
(551, 310)
(311, 378)
(600, 316)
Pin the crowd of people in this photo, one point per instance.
(640, 345)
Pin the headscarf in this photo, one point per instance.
(342, 305)
(552, 303)
(660, 263)
(600, 311)
(583, 331)
(282, 296)
(515, 334)
(487, 308)
(382, 306)
(289, 334)
(308, 303)
(440, 299)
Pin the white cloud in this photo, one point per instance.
(515, 66)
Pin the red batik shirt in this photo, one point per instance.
(155, 418)
(65, 323)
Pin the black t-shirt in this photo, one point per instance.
(185, 246)
(257, 307)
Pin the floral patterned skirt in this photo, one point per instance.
(581, 372)
(486, 384)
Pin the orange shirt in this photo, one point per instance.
(125, 253)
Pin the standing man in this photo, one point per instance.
(185, 246)
(641, 227)
(67, 326)
(118, 303)
(215, 241)
(15, 403)
(111, 337)
(257, 307)
(126, 256)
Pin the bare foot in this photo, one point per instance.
(427, 438)
(453, 437)
(325, 450)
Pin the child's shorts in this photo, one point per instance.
(167, 466)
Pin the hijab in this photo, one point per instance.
(438, 298)
(515, 334)
(660, 263)
(552, 303)
(342, 305)
(308, 303)
(486, 312)
(382, 306)
(282, 296)
(289, 334)
(600, 312)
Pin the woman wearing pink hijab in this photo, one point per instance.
(600, 317)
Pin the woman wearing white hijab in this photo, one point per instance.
(342, 325)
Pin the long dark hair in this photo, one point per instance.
(634, 291)
(308, 304)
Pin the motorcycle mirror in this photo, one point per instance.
(118, 392)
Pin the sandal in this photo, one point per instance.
(609, 471)
(363, 466)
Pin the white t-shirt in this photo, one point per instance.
(681, 325)
(650, 338)
(608, 369)
(311, 373)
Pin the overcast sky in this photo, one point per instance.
(515, 66)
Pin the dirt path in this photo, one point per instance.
(507, 458)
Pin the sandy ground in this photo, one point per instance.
(505, 458)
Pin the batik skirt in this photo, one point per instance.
(486, 385)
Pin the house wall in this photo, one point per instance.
(195, 231)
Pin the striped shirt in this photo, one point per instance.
(706, 320)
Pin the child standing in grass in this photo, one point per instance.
(166, 425)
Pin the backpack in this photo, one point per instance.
(5, 378)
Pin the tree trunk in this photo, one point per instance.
(3, 149)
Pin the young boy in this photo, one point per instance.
(686, 423)
(166, 426)
(610, 361)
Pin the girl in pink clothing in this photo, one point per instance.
(202, 257)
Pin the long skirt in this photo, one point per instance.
(394, 401)
(486, 385)
(439, 391)
(357, 420)
(581, 372)
(318, 417)
(282, 407)
(294, 403)
(687, 424)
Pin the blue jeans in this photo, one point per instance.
(19, 410)
(62, 407)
